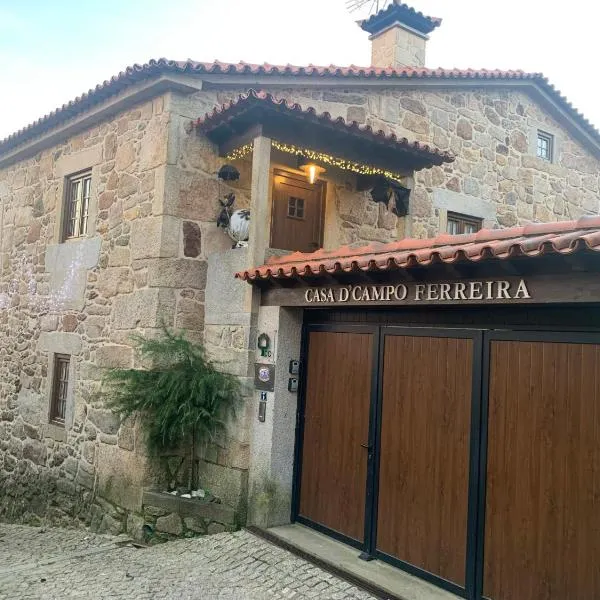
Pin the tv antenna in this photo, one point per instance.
(373, 5)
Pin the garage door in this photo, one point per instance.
(542, 518)
(424, 459)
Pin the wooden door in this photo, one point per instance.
(426, 393)
(542, 520)
(297, 221)
(336, 431)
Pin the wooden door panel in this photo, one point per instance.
(336, 423)
(424, 457)
(303, 230)
(542, 523)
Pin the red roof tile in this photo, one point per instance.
(155, 68)
(529, 241)
(242, 103)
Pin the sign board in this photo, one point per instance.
(576, 287)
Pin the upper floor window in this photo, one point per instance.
(545, 145)
(77, 205)
(458, 224)
(60, 385)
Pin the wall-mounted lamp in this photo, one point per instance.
(263, 342)
(311, 169)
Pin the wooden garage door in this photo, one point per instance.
(424, 457)
(542, 523)
(336, 431)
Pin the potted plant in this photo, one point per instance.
(182, 400)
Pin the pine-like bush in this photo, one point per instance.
(180, 398)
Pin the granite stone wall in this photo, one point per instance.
(154, 254)
(139, 266)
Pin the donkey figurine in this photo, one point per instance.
(235, 222)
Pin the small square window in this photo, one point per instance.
(295, 208)
(459, 224)
(77, 205)
(545, 145)
(60, 386)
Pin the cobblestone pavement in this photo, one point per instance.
(50, 564)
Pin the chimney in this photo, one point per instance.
(399, 36)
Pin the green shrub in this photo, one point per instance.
(181, 399)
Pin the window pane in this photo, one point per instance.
(460, 224)
(77, 206)
(60, 388)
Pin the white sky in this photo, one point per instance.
(53, 50)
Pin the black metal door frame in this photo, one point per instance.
(475, 533)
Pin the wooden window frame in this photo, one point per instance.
(463, 221)
(296, 208)
(76, 203)
(60, 389)
(543, 136)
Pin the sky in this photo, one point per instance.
(53, 50)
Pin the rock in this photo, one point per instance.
(518, 141)
(126, 439)
(35, 451)
(417, 124)
(69, 323)
(135, 527)
(464, 129)
(177, 273)
(112, 357)
(413, 105)
(195, 524)
(170, 524)
(105, 420)
(356, 113)
(128, 184)
(191, 239)
(110, 525)
(216, 528)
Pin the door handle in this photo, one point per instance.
(366, 446)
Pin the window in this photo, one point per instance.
(60, 385)
(545, 145)
(295, 208)
(458, 224)
(77, 205)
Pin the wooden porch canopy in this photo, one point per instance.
(254, 114)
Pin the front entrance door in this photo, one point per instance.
(469, 458)
(297, 220)
(336, 431)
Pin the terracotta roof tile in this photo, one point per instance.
(529, 241)
(155, 68)
(224, 113)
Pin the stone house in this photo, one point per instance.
(108, 211)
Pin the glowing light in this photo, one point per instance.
(312, 171)
(319, 157)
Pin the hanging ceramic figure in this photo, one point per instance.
(235, 222)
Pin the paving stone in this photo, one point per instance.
(62, 564)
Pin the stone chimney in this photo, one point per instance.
(399, 36)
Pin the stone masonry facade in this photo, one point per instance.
(147, 260)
